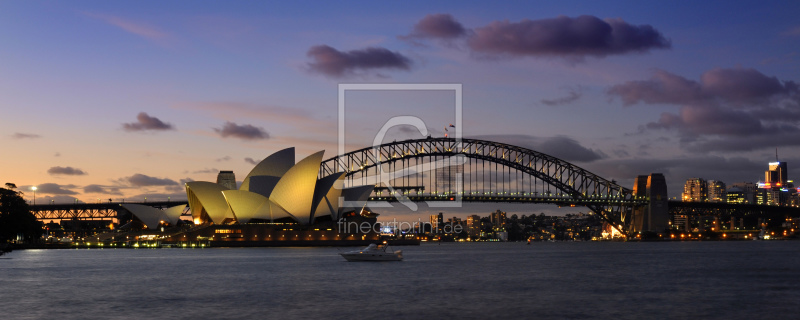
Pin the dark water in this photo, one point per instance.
(698, 280)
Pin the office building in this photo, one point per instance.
(695, 190)
(717, 191)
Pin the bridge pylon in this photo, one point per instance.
(653, 217)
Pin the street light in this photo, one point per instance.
(34, 194)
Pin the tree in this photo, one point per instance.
(15, 217)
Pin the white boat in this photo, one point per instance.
(373, 252)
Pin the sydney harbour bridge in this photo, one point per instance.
(448, 172)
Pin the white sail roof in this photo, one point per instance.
(247, 205)
(295, 191)
(276, 165)
(207, 197)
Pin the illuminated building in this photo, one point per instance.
(742, 192)
(695, 190)
(777, 174)
(437, 222)
(498, 220)
(279, 190)
(717, 191)
(474, 226)
(776, 189)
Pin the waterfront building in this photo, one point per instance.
(277, 190)
(743, 192)
(776, 189)
(777, 174)
(437, 222)
(474, 226)
(498, 219)
(227, 179)
(717, 191)
(695, 190)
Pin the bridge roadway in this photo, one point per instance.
(89, 211)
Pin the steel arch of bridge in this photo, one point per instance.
(612, 200)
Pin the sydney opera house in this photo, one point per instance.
(278, 201)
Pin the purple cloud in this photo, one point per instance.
(560, 147)
(571, 97)
(566, 37)
(245, 131)
(728, 109)
(250, 161)
(437, 26)
(146, 122)
(66, 171)
(96, 188)
(140, 180)
(335, 63)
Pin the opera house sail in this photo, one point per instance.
(276, 189)
(279, 203)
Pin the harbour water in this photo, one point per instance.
(565, 280)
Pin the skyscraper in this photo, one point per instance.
(498, 220)
(695, 190)
(775, 189)
(437, 222)
(474, 226)
(777, 175)
(717, 191)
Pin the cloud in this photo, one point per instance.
(152, 196)
(57, 199)
(337, 64)
(250, 161)
(96, 188)
(561, 147)
(212, 170)
(245, 131)
(53, 188)
(571, 97)
(138, 28)
(225, 158)
(437, 26)
(563, 36)
(146, 122)
(737, 109)
(66, 171)
(18, 135)
(663, 87)
(140, 180)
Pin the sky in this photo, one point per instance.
(130, 99)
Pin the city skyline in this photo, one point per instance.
(131, 100)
